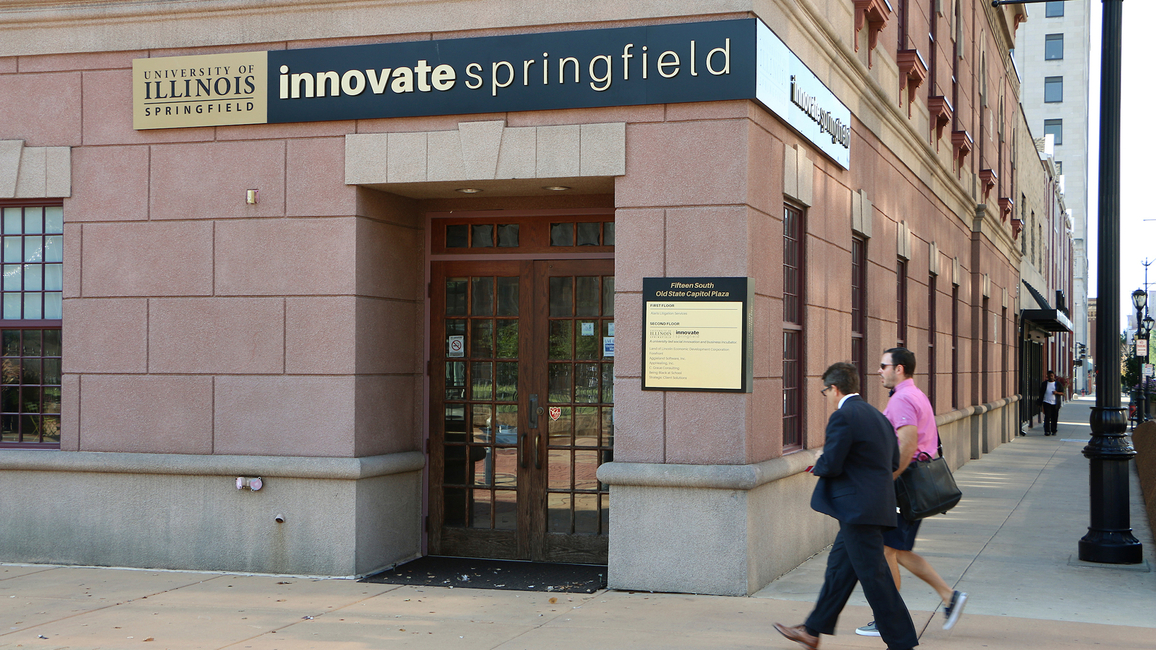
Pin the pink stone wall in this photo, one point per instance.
(197, 323)
(706, 181)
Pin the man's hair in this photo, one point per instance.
(903, 357)
(843, 376)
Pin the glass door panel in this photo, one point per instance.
(580, 408)
(474, 508)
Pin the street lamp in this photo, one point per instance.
(1109, 539)
(1145, 330)
(1139, 300)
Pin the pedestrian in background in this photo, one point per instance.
(856, 487)
(1050, 398)
(910, 413)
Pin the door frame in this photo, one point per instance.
(429, 258)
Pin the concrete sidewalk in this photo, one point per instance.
(1011, 544)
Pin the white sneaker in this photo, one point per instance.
(952, 611)
(867, 630)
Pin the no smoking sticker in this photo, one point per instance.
(456, 346)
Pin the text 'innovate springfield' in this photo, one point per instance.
(627, 66)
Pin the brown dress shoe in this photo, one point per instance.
(799, 635)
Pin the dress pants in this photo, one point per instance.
(857, 556)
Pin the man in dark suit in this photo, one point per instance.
(856, 487)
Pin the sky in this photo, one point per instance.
(1137, 207)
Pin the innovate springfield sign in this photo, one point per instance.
(657, 64)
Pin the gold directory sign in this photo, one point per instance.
(697, 334)
(205, 90)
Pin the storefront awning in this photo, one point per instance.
(1045, 317)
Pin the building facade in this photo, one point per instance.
(379, 257)
(1053, 55)
(1046, 278)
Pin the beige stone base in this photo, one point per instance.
(711, 529)
(341, 516)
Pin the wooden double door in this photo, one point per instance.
(522, 408)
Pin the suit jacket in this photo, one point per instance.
(859, 456)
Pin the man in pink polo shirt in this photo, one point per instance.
(909, 411)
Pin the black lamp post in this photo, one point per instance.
(1139, 299)
(1109, 539)
(1146, 330)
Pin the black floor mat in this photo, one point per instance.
(495, 574)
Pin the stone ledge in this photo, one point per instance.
(712, 477)
(42, 460)
(968, 411)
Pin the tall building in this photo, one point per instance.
(1053, 57)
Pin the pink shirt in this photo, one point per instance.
(910, 406)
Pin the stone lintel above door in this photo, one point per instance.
(489, 156)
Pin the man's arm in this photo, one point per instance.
(908, 437)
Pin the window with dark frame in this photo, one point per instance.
(1003, 352)
(901, 303)
(901, 17)
(1053, 47)
(792, 328)
(1053, 90)
(932, 332)
(954, 347)
(985, 354)
(859, 309)
(1054, 9)
(30, 307)
(1056, 129)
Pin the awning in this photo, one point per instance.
(1045, 318)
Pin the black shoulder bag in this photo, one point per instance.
(926, 487)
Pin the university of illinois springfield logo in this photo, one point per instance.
(206, 90)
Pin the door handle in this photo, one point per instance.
(535, 411)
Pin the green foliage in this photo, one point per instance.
(1132, 372)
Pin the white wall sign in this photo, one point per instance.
(788, 88)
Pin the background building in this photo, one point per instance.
(398, 261)
(1045, 275)
(1053, 56)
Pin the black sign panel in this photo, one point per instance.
(655, 64)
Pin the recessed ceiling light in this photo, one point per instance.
(556, 188)
(468, 190)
